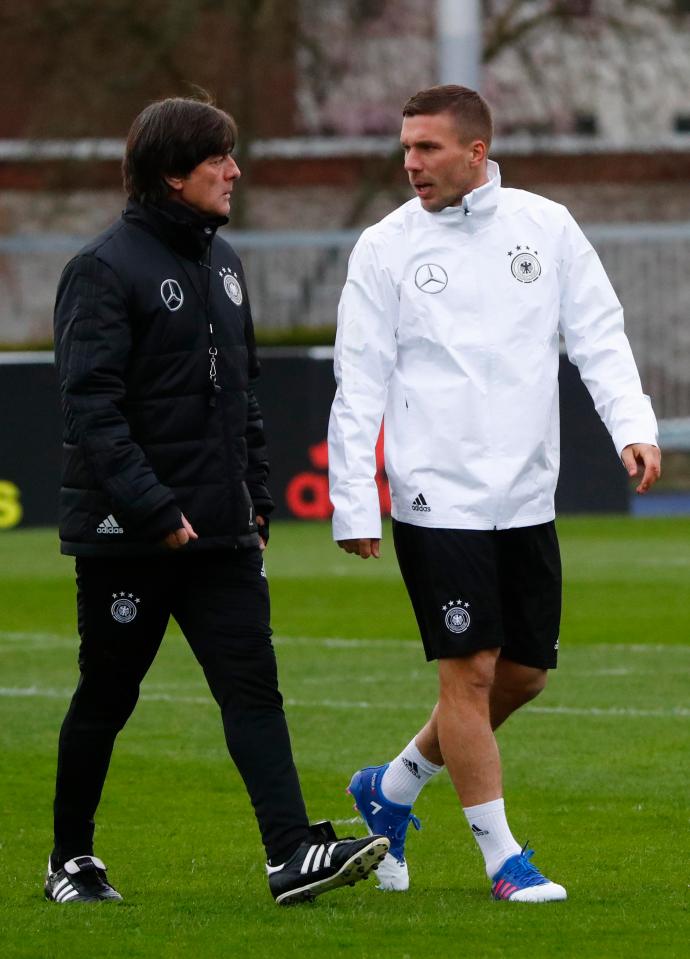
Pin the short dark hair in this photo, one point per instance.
(470, 110)
(169, 138)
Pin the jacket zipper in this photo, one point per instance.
(205, 264)
(212, 373)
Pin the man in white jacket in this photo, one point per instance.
(448, 327)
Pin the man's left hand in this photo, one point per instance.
(364, 547)
(261, 522)
(179, 538)
(642, 456)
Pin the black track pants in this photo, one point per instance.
(220, 601)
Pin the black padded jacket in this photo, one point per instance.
(155, 355)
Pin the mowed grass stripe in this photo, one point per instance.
(333, 642)
(32, 692)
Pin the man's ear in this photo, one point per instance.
(174, 182)
(478, 151)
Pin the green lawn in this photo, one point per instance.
(595, 770)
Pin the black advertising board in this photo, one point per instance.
(592, 478)
(30, 426)
(295, 391)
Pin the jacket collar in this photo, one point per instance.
(477, 205)
(180, 227)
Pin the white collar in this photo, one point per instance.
(480, 202)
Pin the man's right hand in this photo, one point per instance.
(362, 547)
(180, 537)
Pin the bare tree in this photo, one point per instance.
(75, 68)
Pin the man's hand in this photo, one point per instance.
(640, 456)
(180, 537)
(362, 547)
(260, 522)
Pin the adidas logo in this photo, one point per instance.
(419, 504)
(318, 857)
(412, 767)
(109, 525)
(479, 832)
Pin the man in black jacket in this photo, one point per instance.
(164, 501)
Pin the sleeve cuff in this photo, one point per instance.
(163, 521)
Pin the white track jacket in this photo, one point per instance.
(448, 327)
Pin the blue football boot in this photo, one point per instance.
(384, 818)
(518, 880)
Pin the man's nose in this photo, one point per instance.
(232, 171)
(412, 161)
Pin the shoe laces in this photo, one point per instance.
(401, 828)
(522, 872)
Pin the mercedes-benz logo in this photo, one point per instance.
(431, 278)
(171, 291)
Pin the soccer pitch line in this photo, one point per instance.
(673, 712)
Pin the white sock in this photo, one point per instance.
(490, 828)
(407, 775)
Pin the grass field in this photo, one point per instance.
(595, 770)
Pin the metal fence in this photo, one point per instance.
(295, 280)
(649, 266)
